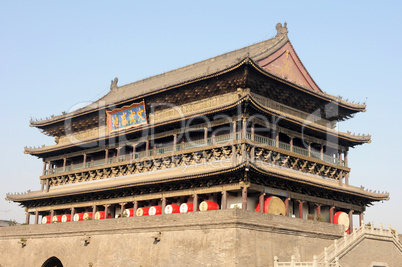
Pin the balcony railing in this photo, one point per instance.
(225, 138)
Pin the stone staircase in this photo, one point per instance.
(331, 255)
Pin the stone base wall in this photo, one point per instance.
(214, 238)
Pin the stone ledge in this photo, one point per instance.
(220, 219)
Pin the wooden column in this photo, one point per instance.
(134, 151)
(42, 185)
(47, 185)
(163, 204)
(361, 219)
(252, 131)
(174, 142)
(346, 158)
(291, 143)
(244, 128)
(234, 129)
(309, 149)
(261, 202)
(64, 164)
(224, 200)
(340, 178)
(135, 207)
(205, 135)
(277, 138)
(106, 155)
(287, 206)
(72, 214)
(195, 202)
(122, 205)
(300, 209)
(340, 157)
(106, 210)
(147, 148)
(44, 167)
(317, 210)
(27, 217)
(36, 217)
(244, 198)
(331, 214)
(93, 211)
(85, 160)
(351, 221)
(347, 179)
(322, 151)
(51, 214)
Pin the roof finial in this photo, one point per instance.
(281, 31)
(113, 84)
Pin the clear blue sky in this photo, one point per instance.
(59, 54)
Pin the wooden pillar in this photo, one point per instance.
(64, 164)
(72, 213)
(47, 185)
(106, 210)
(244, 128)
(317, 210)
(277, 138)
(163, 204)
(261, 202)
(309, 149)
(135, 207)
(340, 157)
(351, 221)
(174, 142)
(322, 151)
(291, 143)
(147, 148)
(106, 155)
(85, 160)
(346, 158)
(195, 202)
(205, 135)
(134, 151)
(244, 198)
(44, 167)
(287, 206)
(300, 209)
(36, 217)
(252, 131)
(51, 214)
(42, 185)
(122, 205)
(27, 217)
(224, 200)
(340, 178)
(93, 211)
(331, 214)
(234, 129)
(361, 219)
(347, 179)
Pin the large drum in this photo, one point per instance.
(142, 212)
(66, 218)
(155, 210)
(208, 205)
(172, 208)
(186, 207)
(342, 218)
(78, 217)
(272, 205)
(128, 213)
(100, 215)
(46, 220)
(57, 218)
(87, 216)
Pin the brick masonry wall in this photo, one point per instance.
(213, 238)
